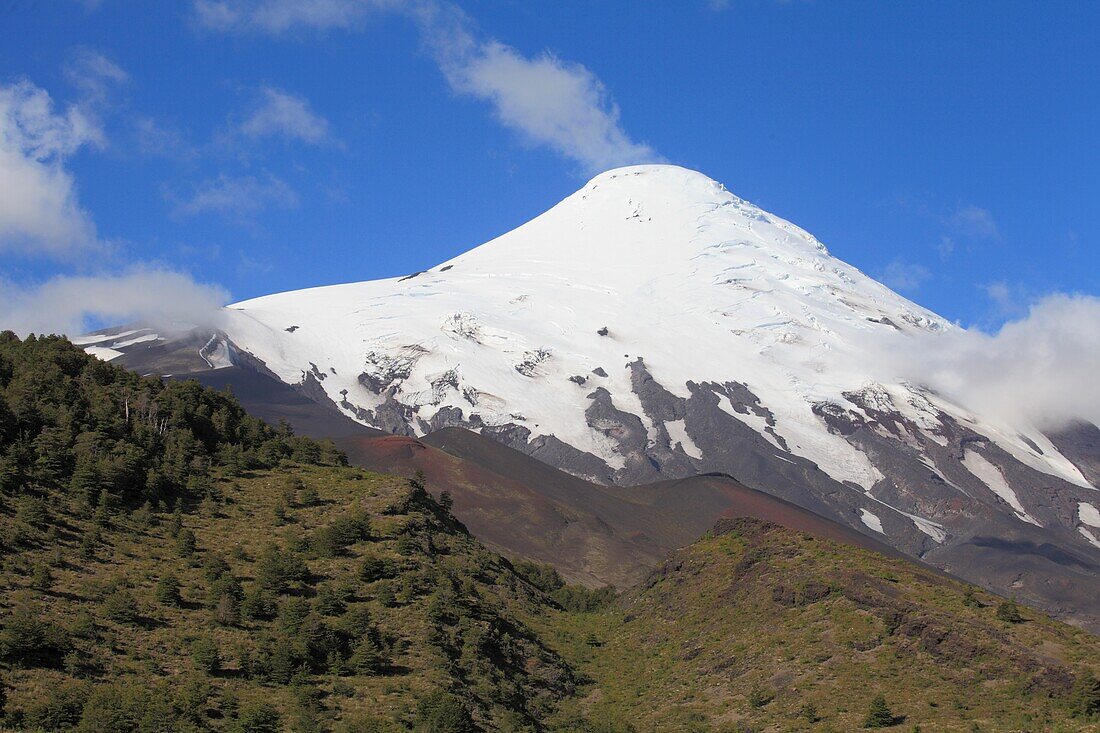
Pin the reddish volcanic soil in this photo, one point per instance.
(592, 534)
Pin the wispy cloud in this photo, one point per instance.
(40, 213)
(152, 137)
(905, 276)
(973, 221)
(237, 199)
(71, 304)
(280, 16)
(547, 100)
(93, 74)
(282, 114)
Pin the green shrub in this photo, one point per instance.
(374, 568)
(341, 533)
(113, 707)
(259, 717)
(29, 639)
(58, 709)
(308, 496)
(442, 712)
(120, 606)
(760, 696)
(260, 603)
(1084, 697)
(1009, 612)
(276, 569)
(205, 654)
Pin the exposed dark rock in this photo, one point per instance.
(1080, 443)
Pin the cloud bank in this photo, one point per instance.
(73, 304)
(1041, 369)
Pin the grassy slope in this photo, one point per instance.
(800, 622)
(506, 673)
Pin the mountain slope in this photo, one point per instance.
(758, 627)
(593, 535)
(653, 326)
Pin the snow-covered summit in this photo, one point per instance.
(700, 284)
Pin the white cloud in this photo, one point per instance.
(66, 304)
(901, 275)
(1041, 368)
(974, 221)
(237, 198)
(547, 100)
(282, 114)
(550, 102)
(39, 209)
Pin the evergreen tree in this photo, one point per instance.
(879, 714)
(41, 577)
(205, 654)
(185, 543)
(1084, 697)
(442, 712)
(256, 718)
(120, 606)
(167, 590)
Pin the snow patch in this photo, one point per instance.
(930, 528)
(1089, 514)
(871, 520)
(992, 477)
(677, 434)
(136, 340)
(216, 353)
(102, 352)
(99, 338)
(1088, 535)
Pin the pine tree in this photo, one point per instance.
(167, 590)
(42, 578)
(185, 543)
(879, 714)
(204, 652)
(1084, 698)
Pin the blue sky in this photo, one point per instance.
(156, 157)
